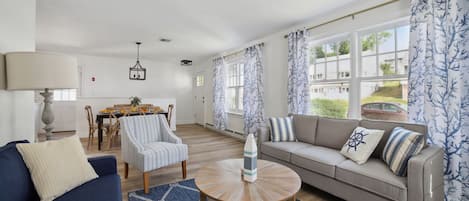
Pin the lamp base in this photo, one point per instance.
(47, 115)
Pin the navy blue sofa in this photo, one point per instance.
(16, 183)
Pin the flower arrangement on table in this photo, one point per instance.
(134, 102)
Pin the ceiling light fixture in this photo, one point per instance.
(137, 72)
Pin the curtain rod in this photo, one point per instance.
(350, 15)
(239, 51)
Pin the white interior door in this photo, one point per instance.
(199, 98)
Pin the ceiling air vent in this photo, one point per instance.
(186, 62)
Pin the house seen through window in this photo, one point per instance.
(380, 74)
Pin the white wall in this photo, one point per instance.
(17, 33)
(165, 80)
(275, 54)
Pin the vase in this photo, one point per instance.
(250, 159)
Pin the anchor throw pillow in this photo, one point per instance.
(361, 144)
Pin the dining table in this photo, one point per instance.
(104, 115)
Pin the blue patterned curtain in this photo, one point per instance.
(298, 83)
(439, 84)
(219, 93)
(253, 92)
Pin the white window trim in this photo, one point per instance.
(356, 79)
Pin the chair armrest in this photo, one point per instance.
(425, 175)
(263, 135)
(166, 132)
(104, 165)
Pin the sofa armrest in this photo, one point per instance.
(104, 165)
(425, 175)
(263, 135)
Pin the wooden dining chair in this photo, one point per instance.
(92, 127)
(113, 130)
(170, 113)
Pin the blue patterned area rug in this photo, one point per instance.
(180, 191)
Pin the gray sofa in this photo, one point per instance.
(316, 158)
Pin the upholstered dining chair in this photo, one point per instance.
(148, 144)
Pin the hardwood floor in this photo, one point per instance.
(204, 146)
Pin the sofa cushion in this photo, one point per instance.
(56, 166)
(318, 159)
(281, 129)
(401, 145)
(305, 128)
(282, 150)
(388, 127)
(333, 133)
(373, 176)
(15, 180)
(361, 144)
(104, 188)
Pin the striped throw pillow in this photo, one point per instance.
(402, 144)
(281, 129)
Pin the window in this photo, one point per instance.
(330, 66)
(379, 80)
(65, 95)
(235, 87)
(199, 81)
(384, 67)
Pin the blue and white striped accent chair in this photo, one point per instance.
(148, 144)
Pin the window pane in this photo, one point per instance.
(344, 69)
(384, 100)
(320, 71)
(331, 51)
(231, 98)
(73, 94)
(368, 43)
(241, 74)
(240, 99)
(332, 70)
(387, 64)
(319, 54)
(369, 66)
(403, 62)
(402, 38)
(386, 41)
(311, 73)
(344, 49)
(330, 100)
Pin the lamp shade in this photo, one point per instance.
(37, 70)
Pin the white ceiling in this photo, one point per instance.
(198, 28)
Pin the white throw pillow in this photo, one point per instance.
(361, 144)
(57, 166)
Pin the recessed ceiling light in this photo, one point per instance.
(165, 40)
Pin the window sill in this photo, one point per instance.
(238, 114)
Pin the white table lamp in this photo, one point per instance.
(41, 71)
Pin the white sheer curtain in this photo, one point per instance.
(253, 92)
(298, 83)
(219, 93)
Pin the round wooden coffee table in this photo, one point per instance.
(222, 181)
